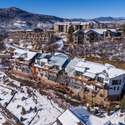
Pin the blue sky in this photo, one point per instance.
(70, 8)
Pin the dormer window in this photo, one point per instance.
(77, 73)
(100, 79)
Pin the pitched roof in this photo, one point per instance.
(100, 31)
(26, 54)
(74, 115)
(91, 69)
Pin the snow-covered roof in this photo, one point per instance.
(76, 23)
(68, 118)
(20, 29)
(75, 115)
(60, 44)
(79, 31)
(91, 69)
(40, 110)
(58, 59)
(62, 23)
(100, 31)
(26, 54)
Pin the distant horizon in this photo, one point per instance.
(71, 9)
(60, 16)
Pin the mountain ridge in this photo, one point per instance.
(9, 15)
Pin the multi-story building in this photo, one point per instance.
(34, 37)
(21, 62)
(49, 65)
(99, 82)
(95, 35)
(64, 26)
(100, 77)
(32, 64)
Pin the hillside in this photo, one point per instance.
(9, 15)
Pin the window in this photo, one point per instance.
(100, 79)
(61, 28)
(118, 88)
(116, 82)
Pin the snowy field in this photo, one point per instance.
(5, 95)
(27, 104)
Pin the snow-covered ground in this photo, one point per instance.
(28, 105)
(5, 95)
(114, 119)
(2, 119)
(60, 44)
(28, 102)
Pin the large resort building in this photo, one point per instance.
(96, 35)
(103, 76)
(87, 32)
(34, 37)
(84, 32)
(99, 82)
(64, 26)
